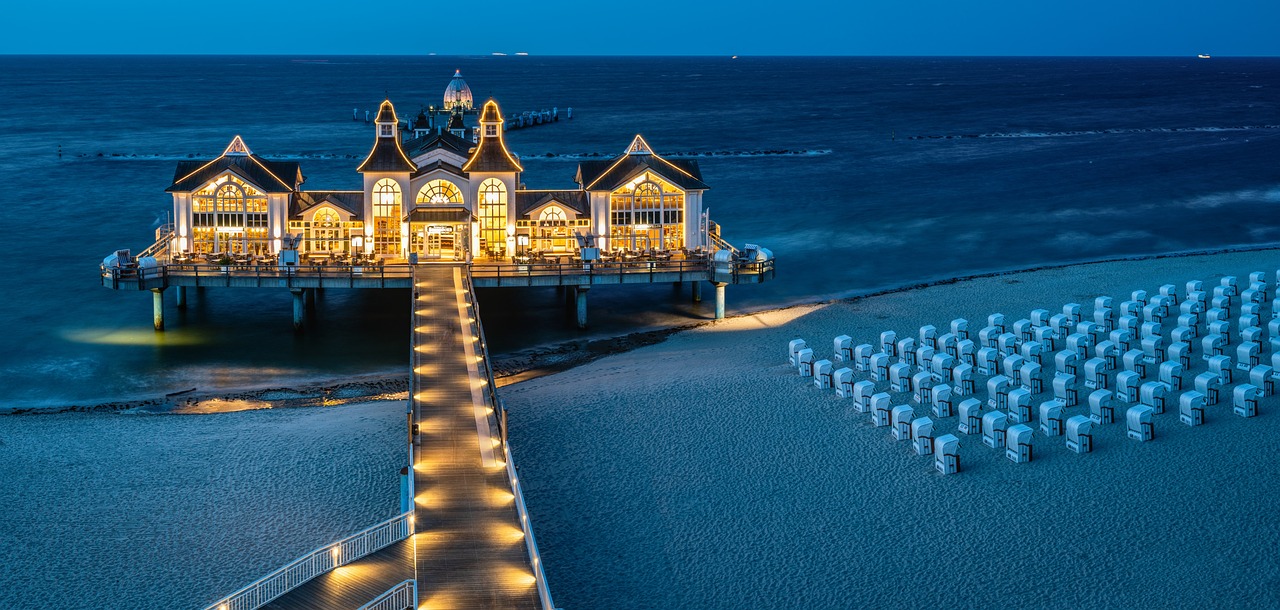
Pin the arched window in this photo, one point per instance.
(326, 233)
(493, 217)
(438, 192)
(552, 216)
(229, 215)
(386, 217)
(647, 213)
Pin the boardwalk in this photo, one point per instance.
(468, 550)
(470, 546)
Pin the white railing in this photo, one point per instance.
(317, 562)
(539, 576)
(403, 596)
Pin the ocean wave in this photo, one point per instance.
(1091, 132)
(119, 156)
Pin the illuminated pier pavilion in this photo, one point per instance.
(441, 215)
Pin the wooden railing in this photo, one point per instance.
(399, 597)
(317, 562)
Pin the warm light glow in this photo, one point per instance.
(508, 533)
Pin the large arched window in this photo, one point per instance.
(493, 217)
(551, 233)
(386, 217)
(438, 192)
(325, 233)
(229, 215)
(647, 213)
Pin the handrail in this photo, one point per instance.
(499, 410)
(403, 595)
(161, 244)
(539, 576)
(259, 592)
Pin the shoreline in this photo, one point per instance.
(522, 365)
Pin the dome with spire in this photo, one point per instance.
(457, 94)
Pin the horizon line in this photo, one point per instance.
(676, 55)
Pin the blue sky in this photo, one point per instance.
(654, 27)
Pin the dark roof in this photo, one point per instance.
(611, 174)
(386, 113)
(529, 200)
(440, 164)
(491, 112)
(270, 176)
(455, 121)
(434, 214)
(387, 156)
(444, 140)
(421, 122)
(351, 201)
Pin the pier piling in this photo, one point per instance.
(582, 306)
(180, 296)
(299, 308)
(157, 308)
(720, 300)
(695, 288)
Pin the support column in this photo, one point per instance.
(157, 308)
(299, 308)
(720, 300)
(582, 306)
(310, 295)
(180, 296)
(696, 288)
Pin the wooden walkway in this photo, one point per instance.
(470, 546)
(354, 584)
(468, 550)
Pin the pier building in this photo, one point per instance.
(438, 196)
(440, 213)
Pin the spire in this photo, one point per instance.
(639, 147)
(386, 113)
(237, 148)
(491, 154)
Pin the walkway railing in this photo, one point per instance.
(399, 597)
(317, 562)
(500, 411)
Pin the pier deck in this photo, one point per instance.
(470, 544)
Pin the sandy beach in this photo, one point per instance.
(109, 510)
(704, 472)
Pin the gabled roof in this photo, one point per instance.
(439, 164)
(532, 200)
(350, 201)
(611, 174)
(444, 140)
(491, 154)
(270, 176)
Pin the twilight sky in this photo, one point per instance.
(653, 27)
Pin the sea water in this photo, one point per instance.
(859, 173)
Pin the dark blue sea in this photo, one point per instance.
(880, 172)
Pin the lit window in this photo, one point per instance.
(386, 131)
(493, 216)
(438, 192)
(490, 131)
